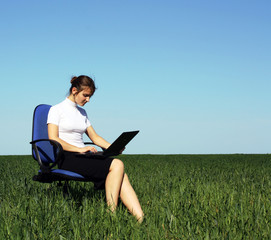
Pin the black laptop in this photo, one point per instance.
(115, 148)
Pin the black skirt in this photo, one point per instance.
(94, 170)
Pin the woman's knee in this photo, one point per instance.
(117, 165)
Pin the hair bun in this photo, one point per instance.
(73, 79)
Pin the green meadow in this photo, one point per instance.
(183, 197)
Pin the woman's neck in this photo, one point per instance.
(71, 97)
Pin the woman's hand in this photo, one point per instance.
(88, 149)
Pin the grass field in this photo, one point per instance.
(183, 197)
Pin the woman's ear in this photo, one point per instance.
(74, 91)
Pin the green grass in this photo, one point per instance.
(183, 197)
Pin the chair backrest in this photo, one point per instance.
(46, 150)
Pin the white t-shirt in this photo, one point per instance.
(72, 122)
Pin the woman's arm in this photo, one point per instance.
(53, 134)
(96, 139)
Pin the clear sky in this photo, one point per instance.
(193, 76)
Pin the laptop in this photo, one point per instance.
(114, 149)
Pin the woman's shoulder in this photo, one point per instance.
(57, 107)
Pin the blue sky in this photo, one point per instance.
(193, 76)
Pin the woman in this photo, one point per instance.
(66, 124)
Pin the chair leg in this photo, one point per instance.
(66, 188)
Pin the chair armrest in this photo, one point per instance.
(46, 168)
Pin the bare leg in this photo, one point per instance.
(113, 183)
(130, 200)
(117, 184)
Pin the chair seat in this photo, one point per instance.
(58, 174)
(68, 173)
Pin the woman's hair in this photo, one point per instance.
(82, 82)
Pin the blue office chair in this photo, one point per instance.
(48, 152)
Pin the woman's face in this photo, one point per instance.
(81, 98)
